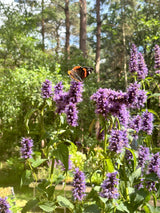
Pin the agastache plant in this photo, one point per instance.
(66, 102)
(157, 59)
(4, 206)
(109, 186)
(118, 140)
(46, 89)
(147, 122)
(26, 148)
(79, 185)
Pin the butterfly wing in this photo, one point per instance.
(76, 73)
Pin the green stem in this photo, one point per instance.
(34, 174)
(104, 148)
(52, 170)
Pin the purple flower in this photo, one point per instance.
(118, 140)
(4, 205)
(133, 64)
(154, 165)
(61, 102)
(143, 156)
(66, 101)
(151, 186)
(142, 68)
(136, 123)
(128, 156)
(157, 57)
(79, 185)
(58, 89)
(136, 97)
(124, 115)
(147, 122)
(75, 92)
(108, 101)
(26, 148)
(72, 114)
(108, 186)
(46, 90)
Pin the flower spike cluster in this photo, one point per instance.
(46, 89)
(108, 186)
(157, 59)
(66, 101)
(26, 148)
(118, 140)
(4, 206)
(137, 64)
(79, 185)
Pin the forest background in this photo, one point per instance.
(42, 40)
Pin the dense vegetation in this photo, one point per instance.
(104, 131)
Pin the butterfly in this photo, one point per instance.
(78, 73)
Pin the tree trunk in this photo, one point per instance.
(124, 43)
(42, 25)
(67, 46)
(83, 26)
(98, 44)
(98, 48)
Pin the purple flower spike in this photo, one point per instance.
(75, 92)
(136, 97)
(26, 148)
(154, 165)
(147, 122)
(136, 123)
(133, 65)
(79, 185)
(151, 186)
(46, 90)
(142, 68)
(108, 186)
(4, 206)
(118, 140)
(72, 114)
(143, 156)
(157, 57)
(58, 89)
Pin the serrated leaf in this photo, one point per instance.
(121, 207)
(110, 166)
(48, 206)
(92, 209)
(38, 162)
(135, 175)
(64, 202)
(30, 205)
(62, 154)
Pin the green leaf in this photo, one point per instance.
(151, 209)
(135, 175)
(30, 205)
(121, 207)
(154, 95)
(134, 157)
(62, 154)
(110, 166)
(92, 209)
(48, 206)
(64, 202)
(27, 118)
(38, 162)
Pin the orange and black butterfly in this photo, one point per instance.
(78, 73)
